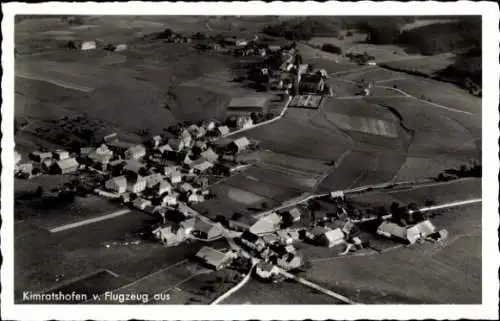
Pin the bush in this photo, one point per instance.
(331, 48)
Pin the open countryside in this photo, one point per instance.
(248, 160)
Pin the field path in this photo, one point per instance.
(89, 221)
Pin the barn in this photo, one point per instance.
(244, 106)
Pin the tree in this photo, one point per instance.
(39, 191)
(236, 216)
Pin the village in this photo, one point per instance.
(169, 173)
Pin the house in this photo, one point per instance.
(337, 195)
(39, 157)
(169, 170)
(266, 271)
(176, 177)
(186, 138)
(330, 238)
(205, 230)
(100, 159)
(196, 198)
(209, 125)
(153, 180)
(420, 231)
(201, 165)
(311, 83)
(117, 184)
(210, 155)
(252, 241)
(176, 144)
(120, 47)
(48, 165)
(135, 152)
(169, 200)
(244, 106)
(136, 184)
(60, 154)
(391, 230)
(132, 166)
(285, 237)
(163, 187)
(188, 225)
(238, 145)
(214, 258)
(84, 151)
(66, 166)
(244, 122)
(268, 224)
(156, 141)
(17, 157)
(24, 168)
(290, 261)
(223, 130)
(88, 45)
(271, 238)
(292, 215)
(164, 148)
(186, 187)
(196, 131)
(169, 235)
(274, 48)
(141, 203)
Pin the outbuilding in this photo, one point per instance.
(117, 184)
(135, 152)
(214, 258)
(239, 145)
(66, 166)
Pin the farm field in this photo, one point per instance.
(112, 245)
(443, 192)
(287, 292)
(425, 65)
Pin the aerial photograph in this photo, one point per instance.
(210, 160)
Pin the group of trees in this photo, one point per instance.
(328, 47)
(304, 29)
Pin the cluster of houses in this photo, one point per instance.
(161, 172)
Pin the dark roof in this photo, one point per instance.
(249, 236)
(315, 78)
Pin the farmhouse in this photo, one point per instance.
(117, 184)
(311, 83)
(136, 184)
(391, 230)
(290, 261)
(88, 45)
(24, 168)
(244, 122)
(244, 106)
(210, 155)
(169, 200)
(176, 177)
(195, 198)
(169, 236)
(205, 230)
(252, 240)
(60, 154)
(176, 144)
(141, 203)
(17, 157)
(163, 187)
(268, 224)
(292, 215)
(214, 258)
(330, 238)
(135, 152)
(223, 130)
(66, 166)
(238, 145)
(120, 47)
(266, 270)
(38, 156)
(420, 231)
(201, 165)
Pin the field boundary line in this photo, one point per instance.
(151, 274)
(89, 221)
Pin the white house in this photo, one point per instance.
(163, 187)
(223, 130)
(88, 45)
(141, 203)
(169, 200)
(135, 152)
(60, 154)
(137, 185)
(176, 177)
(117, 184)
(65, 166)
